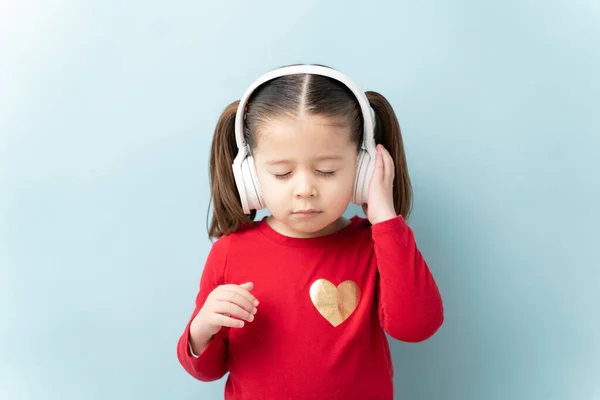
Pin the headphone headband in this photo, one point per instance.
(314, 70)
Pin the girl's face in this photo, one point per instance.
(306, 168)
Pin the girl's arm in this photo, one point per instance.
(409, 302)
(211, 363)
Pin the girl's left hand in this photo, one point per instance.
(380, 204)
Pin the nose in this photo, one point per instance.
(304, 186)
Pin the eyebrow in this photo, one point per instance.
(322, 158)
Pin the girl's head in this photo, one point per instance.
(304, 132)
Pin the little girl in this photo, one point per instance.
(297, 304)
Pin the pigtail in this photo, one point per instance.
(387, 133)
(227, 213)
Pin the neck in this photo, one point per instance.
(285, 230)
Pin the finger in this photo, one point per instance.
(388, 167)
(228, 322)
(241, 289)
(237, 298)
(378, 173)
(233, 310)
(248, 286)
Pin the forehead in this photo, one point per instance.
(304, 137)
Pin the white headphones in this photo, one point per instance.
(244, 170)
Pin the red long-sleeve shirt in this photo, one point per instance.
(322, 340)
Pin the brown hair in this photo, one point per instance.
(387, 133)
(293, 95)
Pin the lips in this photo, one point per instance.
(308, 211)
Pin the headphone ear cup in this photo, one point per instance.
(251, 185)
(364, 171)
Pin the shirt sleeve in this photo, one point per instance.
(211, 363)
(409, 302)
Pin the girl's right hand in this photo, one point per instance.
(221, 305)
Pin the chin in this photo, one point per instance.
(307, 226)
(314, 227)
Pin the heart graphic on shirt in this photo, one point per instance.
(335, 304)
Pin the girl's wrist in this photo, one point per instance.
(199, 340)
(199, 333)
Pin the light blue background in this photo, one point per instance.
(106, 116)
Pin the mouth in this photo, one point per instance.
(306, 213)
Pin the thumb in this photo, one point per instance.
(247, 285)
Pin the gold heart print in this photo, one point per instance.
(335, 304)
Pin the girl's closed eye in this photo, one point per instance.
(324, 174)
(282, 176)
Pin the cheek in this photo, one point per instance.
(348, 179)
(340, 191)
(272, 192)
